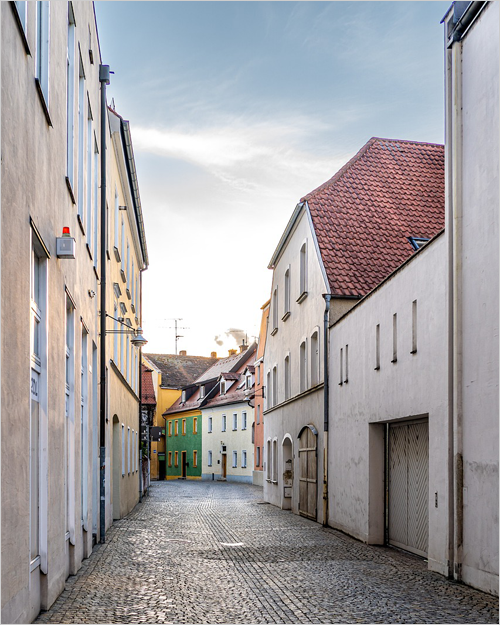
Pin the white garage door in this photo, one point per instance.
(409, 486)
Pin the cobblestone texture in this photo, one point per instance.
(198, 552)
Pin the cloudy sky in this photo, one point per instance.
(237, 110)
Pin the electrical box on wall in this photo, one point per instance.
(65, 245)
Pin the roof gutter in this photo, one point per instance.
(285, 235)
(464, 15)
(134, 183)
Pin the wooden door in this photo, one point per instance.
(183, 463)
(308, 481)
(224, 466)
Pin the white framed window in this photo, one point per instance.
(315, 358)
(117, 219)
(183, 398)
(414, 327)
(122, 246)
(81, 142)
(223, 429)
(275, 311)
(341, 364)
(223, 387)
(42, 48)
(346, 379)
(377, 347)
(394, 337)
(90, 146)
(209, 425)
(268, 460)
(202, 391)
(275, 461)
(96, 203)
(84, 425)
(243, 459)
(235, 421)
(70, 97)
(235, 459)
(123, 449)
(128, 262)
(209, 458)
(128, 450)
(275, 385)
(287, 377)
(248, 381)
(243, 420)
(303, 366)
(269, 395)
(286, 298)
(303, 272)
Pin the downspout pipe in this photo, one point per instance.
(326, 408)
(104, 80)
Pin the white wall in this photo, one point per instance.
(415, 385)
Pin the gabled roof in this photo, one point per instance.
(363, 216)
(226, 365)
(147, 388)
(236, 393)
(230, 376)
(178, 371)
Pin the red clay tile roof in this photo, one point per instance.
(363, 216)
(148, 389)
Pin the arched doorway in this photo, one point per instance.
(308, 472)
(116, 464)
(287, 464)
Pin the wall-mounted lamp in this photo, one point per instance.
(137, 341)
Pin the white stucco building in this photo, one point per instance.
(341, 241)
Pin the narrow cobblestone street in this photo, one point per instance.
(198, 552)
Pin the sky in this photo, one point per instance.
(239, 109)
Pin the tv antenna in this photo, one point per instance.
(177, 336)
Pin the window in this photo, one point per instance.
(195, 458)
(243, 459)
(303, 366)
(394, 337)
(346, 379)
(70, 97)
(222, 387)
(183, 398)
(269, 396)
(122, 246)
(268, 460)
(176, 458)
(210, 458)
(223, 423)
(303, 273)
(96, 205)
(184, 427)
(81, 142)
(209, 425)
(195, 425)
(235, 421)
(42, 50)
(117, 220)
(275, 312)
(377, 347)
(248, 381)
(202, 391)
(170, 428)
(22, 12)
(176, 428)
(287, 377)
(243, 420)
(257, 457)
(83, 424)
(286, 299)
(123, 450)
(341, 380)
(128, 449)
(257, 374)
(315, 358)
(235, 459)
(275, 460)
(169, 458)
(257, 408)
(417, 242)
(90, 150)
(275, 385)
(253, 433)
(414, 327)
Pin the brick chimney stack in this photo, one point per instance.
(183, 352)
(232, 352)
(213, 354)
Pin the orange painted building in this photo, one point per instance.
(259, 400)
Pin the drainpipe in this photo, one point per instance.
(456, 227)
(104, 80)
(140, 421)
(327, 297)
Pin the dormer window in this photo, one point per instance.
(417, 242)
(249, 381)
(183, 398)
(202, 391)
(222, 387)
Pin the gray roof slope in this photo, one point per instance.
(178, 371)
(227, 365)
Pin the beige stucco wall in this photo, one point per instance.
(34, 154)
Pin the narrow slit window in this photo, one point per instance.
(414, 327)
(341, 363)
(346, 378)
(377, 347)
(394, 337)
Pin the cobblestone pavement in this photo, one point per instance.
(213, 552)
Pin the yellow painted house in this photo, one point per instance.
(171, 372)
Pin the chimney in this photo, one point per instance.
(232, 352)
(243, 347)
(213, 354)
(183, 352)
